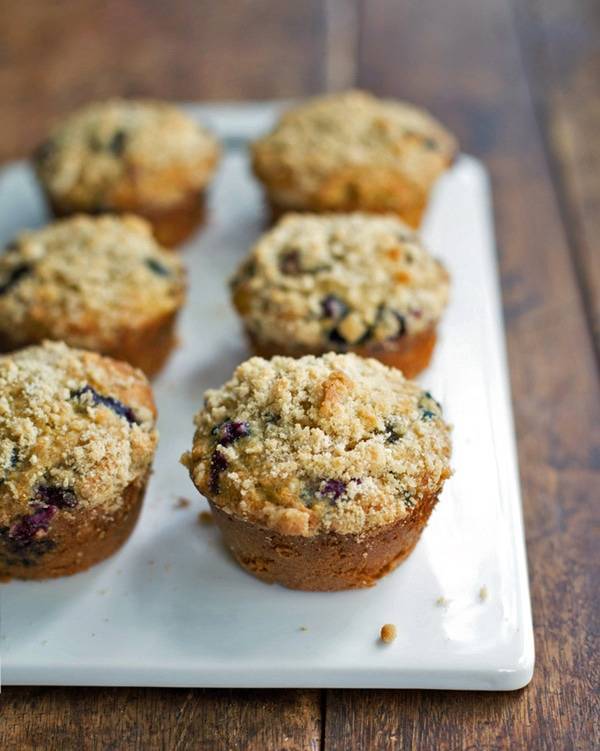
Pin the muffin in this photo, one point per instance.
(353, 152)
(321, 472)
(77, 440)
(100, 283)
(144, 157)
(342, 282)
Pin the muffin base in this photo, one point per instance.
(412, 216)
(149, 348)
(171, 225)
(410, 354)
(326, 562)
(174, 224)
(77, 541)
(146, 348)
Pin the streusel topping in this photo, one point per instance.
(85, 280)
(102, 154)
(329, 133)
(333, 280)
(75, 430)
(317, 444)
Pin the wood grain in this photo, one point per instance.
(82, 719)
(57, 55)
(462, 60)
(561, 46)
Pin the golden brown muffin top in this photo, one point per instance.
(75, 430)
(120, 153)
(86, 280)
(304, 446)
(333, 280)
(328, 134)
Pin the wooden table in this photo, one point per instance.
(519, 82)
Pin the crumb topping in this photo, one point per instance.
(114, 153)
(327, 134)
(333, 280)
(86, 280)
(75, 430)
(334, 443)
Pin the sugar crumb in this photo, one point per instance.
(388, 633)
(442, 602)
(181, 503)
(483, 594)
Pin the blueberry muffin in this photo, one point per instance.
(77, 440)
(321, 472)
(100, 283)
(342, 282)
(143, 157)
(353, 152)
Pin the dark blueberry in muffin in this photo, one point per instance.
(335, 337)
(332, 490)
(401, 325)
(429, 407)
(51, 495)
(24, 531)
(157, 267)
(14, 277)
(107, 401)
(231, 430)
(393, 433)
(218, 463)
(333, 307)
(117, 142)
(25, 553)
(11, 464)
(289, 263)
(409, 501)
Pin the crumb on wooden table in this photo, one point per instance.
(205, 517)
(388, 633)
(181, 503)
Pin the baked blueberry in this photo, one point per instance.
(13, 276)
(105, 401)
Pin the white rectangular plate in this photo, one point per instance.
(173, 609)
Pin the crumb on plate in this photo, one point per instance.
(388, 633)
(205, 518)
